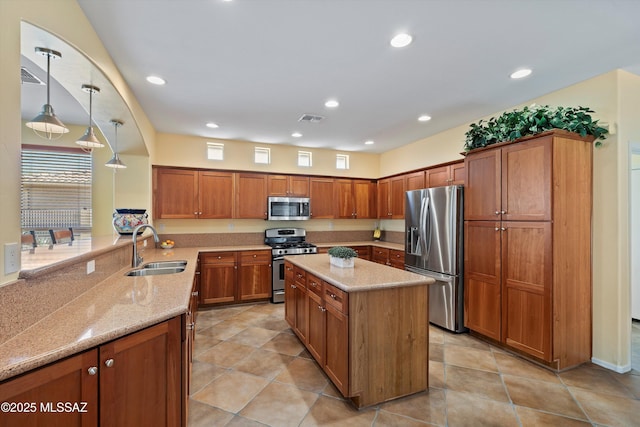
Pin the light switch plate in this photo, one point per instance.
(11, 258)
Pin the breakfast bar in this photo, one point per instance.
(366, 326)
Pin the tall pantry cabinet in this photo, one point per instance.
(528, 246)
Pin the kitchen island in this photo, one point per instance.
(366, 326)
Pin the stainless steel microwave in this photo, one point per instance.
(288, 208)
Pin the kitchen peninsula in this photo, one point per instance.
(366, 326)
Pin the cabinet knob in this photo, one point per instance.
(92, 370)
(194, 294)
(219, 257)
(502, 229)
(108, 363)
(191, 326)
(195, 213)
(333, 296)
(254, 255)
(321, 308)
(497, 228)
(503, 212)
(293, 286)
(497, 212)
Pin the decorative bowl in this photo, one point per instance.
(166, 246)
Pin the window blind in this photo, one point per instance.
(55, 189)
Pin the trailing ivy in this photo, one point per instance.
(531, 121)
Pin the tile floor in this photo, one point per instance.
(250, 370)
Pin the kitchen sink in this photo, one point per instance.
(163, 264)
(157, 270)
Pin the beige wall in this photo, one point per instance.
(191, 151)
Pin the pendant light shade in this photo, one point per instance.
(89, 140)
(46, 124)
(115, 161)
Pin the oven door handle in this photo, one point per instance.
(278, 258)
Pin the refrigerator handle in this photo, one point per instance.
(413, 247)
(424, 223)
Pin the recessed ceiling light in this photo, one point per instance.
(401, 40)
(155, 80)
(212, 125)
(332, 103)
(369, 142)
(524, 72)
(424, 118)
(296, 134)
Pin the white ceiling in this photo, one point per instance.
(255, 66)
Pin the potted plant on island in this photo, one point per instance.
(341, 256)
(532, 120)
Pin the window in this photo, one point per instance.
(342, 161)
(215, 151)
(55, 190)
(262, 156)
(304, 159)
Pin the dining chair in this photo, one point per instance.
(61, 236)
(29, 239)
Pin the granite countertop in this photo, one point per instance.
(121, 305)
(378, 243)
(364, 276)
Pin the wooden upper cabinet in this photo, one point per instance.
(215, 194)
(176, 193)
(391, 198)
(355, 198)
(526, 181)
(321, 191)
(445, 175)
(251, 195)
(288, 185)
(482, 193)
(415, 181)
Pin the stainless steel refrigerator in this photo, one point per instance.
(434, 248)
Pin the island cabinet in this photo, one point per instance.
(321, 193)
(445, 175)
(186, 193)
(132, 381)
(391, 197)
(364, 252)
(355, 198)
(232, 277)
(288, 185)
(372, 343)
(528, 246)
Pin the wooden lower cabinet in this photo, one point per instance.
(390, 257)
(132, 381)
(232, 277)
(368, 357)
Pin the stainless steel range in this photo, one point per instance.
(285, 241)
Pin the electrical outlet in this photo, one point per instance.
(91, 266)
(144, 243)
(11, 258)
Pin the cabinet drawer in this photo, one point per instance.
(314, 284)
(380, 255)
(363, 252)
(336, 297)
(251, 257)
(218, 257)
(288, 272)
(300, 277)
(396, 258)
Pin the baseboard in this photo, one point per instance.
(611, 366)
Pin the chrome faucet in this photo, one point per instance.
(137, 259)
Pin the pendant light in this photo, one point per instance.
(115, 160)
(88, 141)
(46, 124)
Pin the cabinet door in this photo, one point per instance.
(336, 363)
(364, 199)
(215, 195)
(251, 196)
(289, 295)
(344, 198)
(526, 286)
(176, 193)
(278, 185)
(482, 186)
(364, 252)
(299, 186)
(396, 197)
(218, 278)
(254, 275)
(396, 258)
(415, 181)
(457, 174)
(302, 317)
(384, 210)
(140, 378)
(65, 381)
(482, 277)
(317, 326)
(380, 255)
(526, 181)
(437, 177)
(321, 191)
